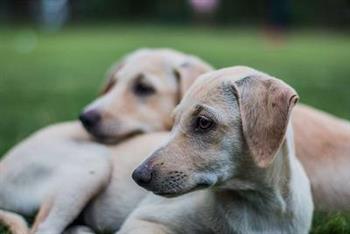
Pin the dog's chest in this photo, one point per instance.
(242, 217)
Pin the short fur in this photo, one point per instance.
(58, 170)
(321, 139)
(241, 189)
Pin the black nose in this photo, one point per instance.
(90, 119)
(142, 176)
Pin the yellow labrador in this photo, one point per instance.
(140, 94)
(321, 139)
(152, 81)
(233, 141)
(59, 169)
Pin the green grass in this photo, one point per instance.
(48, 77)
(3, 230)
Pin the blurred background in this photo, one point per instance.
(54, 53)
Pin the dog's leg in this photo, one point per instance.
(42, 215)
(13, 221)
(79, 229)
(75, 190)
(55, 215)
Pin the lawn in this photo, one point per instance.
(48, 77)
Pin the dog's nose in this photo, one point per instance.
(90, 119)
(142, 176)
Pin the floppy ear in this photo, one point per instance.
(265, 106)
(187, 72)
(110, 81)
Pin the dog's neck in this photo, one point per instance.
(264, 186)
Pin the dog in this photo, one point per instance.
(58, 170)
(141, 92)
(121, 85)
(233, 142)
(321, 139)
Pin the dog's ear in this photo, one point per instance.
(265, 104)
(188, 71)
(110, 80)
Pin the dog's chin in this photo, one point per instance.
(115, 138)
(171, 194)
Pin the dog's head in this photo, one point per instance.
(140, 94)
(230, 122)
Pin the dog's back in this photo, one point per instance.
(323, 146)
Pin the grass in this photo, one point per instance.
(48, 77)
(3, 230)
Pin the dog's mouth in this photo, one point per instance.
(176, 193)
(203, 185)
(114, 139)
(183, 188)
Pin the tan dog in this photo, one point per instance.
(233, 139)
(322, 140)
(141, 92)
(159, 89)
(59, 169)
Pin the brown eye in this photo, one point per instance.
(143, 89)
(204, 123)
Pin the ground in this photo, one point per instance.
(48, 77)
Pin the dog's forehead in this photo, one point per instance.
(154, 64)
(206, 91)
(210, 87)
(211, 81)
(150, 65)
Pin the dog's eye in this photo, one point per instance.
(143, 89)
(204, 123)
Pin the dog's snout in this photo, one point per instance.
(142, 175)
(90, 119)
